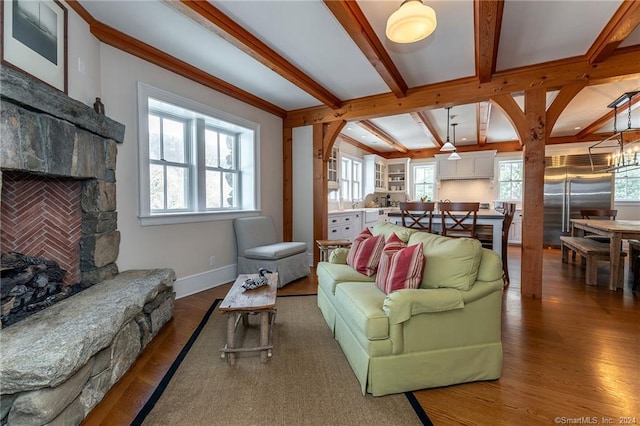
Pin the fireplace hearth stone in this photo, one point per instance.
(58, 363)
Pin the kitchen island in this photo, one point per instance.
(485, 217)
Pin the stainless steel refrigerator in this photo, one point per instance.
(569, 186)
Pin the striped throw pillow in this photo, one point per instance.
(365, 252)
(400, 266)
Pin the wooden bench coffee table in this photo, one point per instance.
(239, 303)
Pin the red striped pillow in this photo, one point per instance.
(365, 252)
(400, 266)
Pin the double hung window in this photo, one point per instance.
(510, 180)
(424, 177)
(350, 179)
(196, 163)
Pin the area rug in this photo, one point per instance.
(308, 381)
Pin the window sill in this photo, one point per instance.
(180, 218)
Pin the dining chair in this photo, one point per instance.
(413, 213)
(509, 212)
(459, 219)
(598, 214)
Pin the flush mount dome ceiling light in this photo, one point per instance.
(412, 22)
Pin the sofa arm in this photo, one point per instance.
(339, 256)
(401, 305)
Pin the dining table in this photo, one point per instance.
(616, 230)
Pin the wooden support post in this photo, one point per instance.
(533, 194)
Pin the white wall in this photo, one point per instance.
(83, 61)
(303, 186)
(184, 247)
(112, 75)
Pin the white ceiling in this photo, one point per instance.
(307, 35)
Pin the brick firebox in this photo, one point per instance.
(50, 137)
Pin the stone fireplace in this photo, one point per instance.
(58, 185)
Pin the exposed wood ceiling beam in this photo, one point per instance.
(488, 23)
(483, 113)
(597, 125)
(429, 129)
(352, 19)
(80, 10)
(357, 144)
(566, 95)
(621, 24)
(211, 18)
(551, 76)
(148, 53)
(382, 135)
(512, 146)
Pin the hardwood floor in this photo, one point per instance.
(572, 356)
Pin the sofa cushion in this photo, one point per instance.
(400, 266)
(449, 262)
(330, 275)
(360, 306)
(276, 251)
(365, 252)
(387, 229)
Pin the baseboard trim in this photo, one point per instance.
(186, 286)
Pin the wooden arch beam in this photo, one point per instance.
(564, 97)
(514, 114)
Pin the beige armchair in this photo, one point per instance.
(258, 247)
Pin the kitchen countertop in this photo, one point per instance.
(363, 209)
(395, 212)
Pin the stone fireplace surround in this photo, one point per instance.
(56, 365)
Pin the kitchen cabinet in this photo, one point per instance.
(397, 175)
(332, 168)
(375, 174)
(344, 225)
(515, 231)
(472, 165)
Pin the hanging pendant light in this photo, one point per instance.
(412, 22)
(447, 145)
(454, 155)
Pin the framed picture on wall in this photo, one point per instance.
(34, 39)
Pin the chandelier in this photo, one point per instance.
(623, 145)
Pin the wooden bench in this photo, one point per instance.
(591, 251)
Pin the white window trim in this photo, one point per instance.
(145, 217)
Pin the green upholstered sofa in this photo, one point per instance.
(446, 332)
